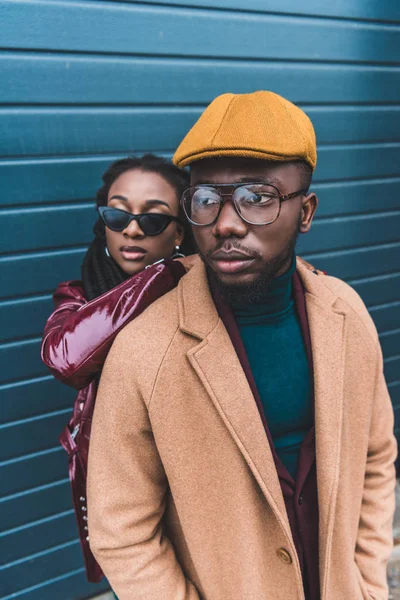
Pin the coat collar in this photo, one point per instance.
(217, 366)
(197, 313)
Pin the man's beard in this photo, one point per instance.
(255, 291)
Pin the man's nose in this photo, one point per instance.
(133, 230)
(229, 223)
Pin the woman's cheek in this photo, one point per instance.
(114, 242)
(162, 246)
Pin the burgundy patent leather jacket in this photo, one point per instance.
(76, 340)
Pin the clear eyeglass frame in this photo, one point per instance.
(186, 196)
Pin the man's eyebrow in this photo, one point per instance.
(271, 180)
(199, 182)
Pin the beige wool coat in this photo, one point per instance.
(184, 502)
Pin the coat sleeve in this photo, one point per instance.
(79, 334)
(375, 535)
(127, 490)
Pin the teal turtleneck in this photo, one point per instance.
(276, 352)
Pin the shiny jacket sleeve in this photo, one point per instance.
(79, 334)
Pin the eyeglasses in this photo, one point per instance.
(256, 203)
(150, 223)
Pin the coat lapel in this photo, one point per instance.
(327, 330)
(218, 368)
(216, 363)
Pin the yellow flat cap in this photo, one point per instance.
(258, 125)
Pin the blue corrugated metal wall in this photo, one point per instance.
(83, 82)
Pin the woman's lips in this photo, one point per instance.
(133, 253)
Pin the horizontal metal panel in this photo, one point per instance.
(51, 131)
(48, 180)
(83, 79)
(387, 317)
(42, 271)
(38, 536)
(47, 227)
(61, 588)
(33, 471)
(25, 317)
(357, 162)
(51, 569)
(34, 571)
(360, 262)
(347, 232)
(33, 397)
(392, 369)
(390, 343)
(354, 124)
(385, 10)
(64, 179)
(28, 436)
(349, 197)
(35, 505)
(135, 29)
(20, 360)
(378, 290)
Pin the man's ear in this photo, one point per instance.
(308, 208)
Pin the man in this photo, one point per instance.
(242, 444)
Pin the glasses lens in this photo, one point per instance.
(115, 219)
(202, 204)
(153, 224)
(257, 203)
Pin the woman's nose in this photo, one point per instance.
(133, 230)
(229, 223)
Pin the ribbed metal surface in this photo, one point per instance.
(84, 82)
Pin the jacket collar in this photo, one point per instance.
(197, 313)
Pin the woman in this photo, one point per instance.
(139, 224)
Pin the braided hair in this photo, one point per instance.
(100, 272)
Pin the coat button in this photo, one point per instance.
(284, 556)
